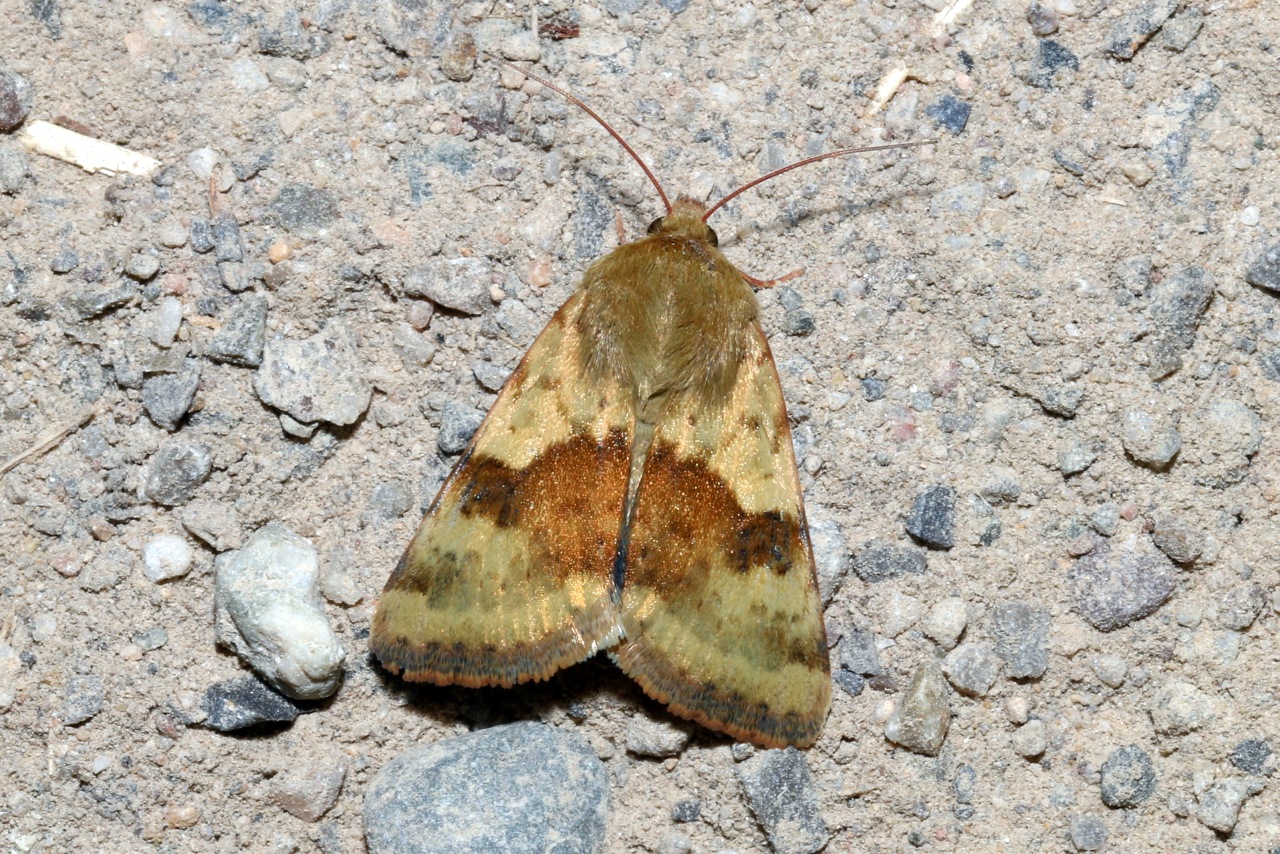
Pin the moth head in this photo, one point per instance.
(686, 219)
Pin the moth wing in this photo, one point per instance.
(720, 604)
(510, 574)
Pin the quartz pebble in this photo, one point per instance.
(921, 720)
(166, 557)
(781, 793)
(522, 788)
(269, 612)
(10, 662)
(946, 621)
(167, 321)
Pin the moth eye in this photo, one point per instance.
(655, 225)
(712, 237)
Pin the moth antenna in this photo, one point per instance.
(590, 112)
(776, 172)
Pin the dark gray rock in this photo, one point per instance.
(65, 261)
(1051, 58)
(686, 811)
(304, 210)
(523, 788)
(1264, 272)
(972, 668)
(458, 423)
(963, 783)
(201, 235)
(290, 39)
(797, 322)
(320, 378)
(226, 238)
(149, 640)
(245, 702)
(84, 698)
(933, 517)
(242, 337)
(782, 796)
(176, 472)
(858, 653)
(1253, 756)
(167, 397)
(1088, 832)
(1021, 633)
(89, 304)
(1120, 582)
(49, 13)
(1132, 31)
(1179, 33)
(1177, 304)
(949, 112)
(879, 561)
(1177, 539)
(16, 96)
(1128, 777)
(922, 718)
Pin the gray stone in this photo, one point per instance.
(798, 322)
(295, 428)
(1042, 18)
(201, 235)
(972, 668)
(176, 471)
(1021, 633)
(921, 720)
(782, 796)
(320, 378)
(83, 699)
(1177, 539)
(458, 423)
(686, 811)
(244, 702)
(1128, 777)
(238, 277)
(1077, 456)
(89, 304)
(289, 38)
(1240, 606)
(16, 96)
(519, 323)
(305, 210)
(1224, 436)
(1219, 805)
(1131, 32)
(14, 168)
(414, 349)
(492, 377)
(149, 640)
(858, 653)
(1110, 669)
(1254, 756)
(242, 337)
(391, 499)
(523, 788)
(1134, 274)
(659, 738)
(1177, 304)
(1088, 833)
(1031, 739)
(1264, 271)
(830, 553)
(1178, 33)
(226, 238)
(1179, 708)
(66, 260)
(1151, 439)
(460, 284)
(933, 517)
(167, 397)
(309, 788)
(1120, 582)
(963, 783)
(879, 561)
(142, 266)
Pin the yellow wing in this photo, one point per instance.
(510, 575)
(720, 604)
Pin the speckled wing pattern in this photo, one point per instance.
(720, 607)
(510, 574)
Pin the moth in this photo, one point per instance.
(633, 489)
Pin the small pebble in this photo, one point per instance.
(419, 314)
(1253, 756)
(16, 96)
(268, 611)
(201, 162)
(201, 235)
(142, 266)
(295, 428)
(1219, 805)
(657, 738)
(1017, 709)
(972, 668)
(279, 251)
(417, 350)
(1120, 582)
(458, 56)
(781, 793)
(946, 621)
(1077, 456)
(1088, 833)
(858, 653)
(181, 816)
(308, 789)
(1177, 539)
(1151, 439)
(932, 519)
(1264, 271)
(460, 284)
(305, 210)
(226, 238)
(176, 471)
(1132, 31)
(172, 234)
(244, 702)
(1179, 33)
(521, 788)
(920, 723)
(1031, 739)
(14, 168)
(320, 378)
(458, 423)
(241, 339)
(1179, 708)
(1021, 633)
(10, 663)
(167, 397)
(1110, 669)
(167, 320)
(1128, 778)
(151, 639)
(880, 560)
(686, 811)
(65, 261)
(1240, 606)
(84, 698)
(1042, 18)
(1177, 305)
(1250, 216)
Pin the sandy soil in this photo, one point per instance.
(972, 277)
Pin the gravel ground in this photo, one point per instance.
(1033, 372)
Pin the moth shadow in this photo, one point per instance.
(850, 210)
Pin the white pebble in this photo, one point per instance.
(946, 621)
(201, 162)
(101, 763)
(166, 557)
(168, 318)
(1249, 216)
(247, 76)
(10, 665)
(1017, 709)
(1030, 740)
(268, 610)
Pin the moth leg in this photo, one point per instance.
(768, 283)
(621, 229)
